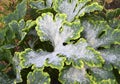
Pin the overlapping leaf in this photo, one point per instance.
(38, 77)
(73, 75)
(100, 34)
(112, 56)
(57, 33)
(41, 4)
(101, 76)
(18, 14)
(75, 8)
(4, 79)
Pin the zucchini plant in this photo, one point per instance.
(60, 42)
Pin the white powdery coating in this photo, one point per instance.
(40, 58)
(78, 51)
(35, 58)
(68, 9)
(111, 57)
(49, 3)
(73, 75)
(102, 73)
(50, 28)
(71, 9)
(91, 33)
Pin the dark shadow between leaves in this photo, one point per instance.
(54, 73)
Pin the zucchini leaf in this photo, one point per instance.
(112, 56)
(99, 33)
(38, 77)
(4, 79)
(18, 14)
(18, 30)
(101, 76)
(41, 4)
(73, 75)
(75, 8)
(58, 32)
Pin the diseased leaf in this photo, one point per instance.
(102, 76)
(74, 76)
(75, 8)
(30, 57)
(99, 33)
(41, 4)
(58, 34)
(38, 77)
(17, 67)
(112, 56)
(18, 14)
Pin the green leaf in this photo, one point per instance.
(38, 77)
(115, 23)
(5, 55)
(111, 14)
(18, 14)
(101, 76)
(17, 29)
(21, 28)
(73, 75)
(2, 36)
(99, 34)
(41, 4)
(75, 8)
(4, 79)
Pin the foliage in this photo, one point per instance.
(60, 41)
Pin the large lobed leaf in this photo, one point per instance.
(56, 30)
(99, 34)
(75, 8)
